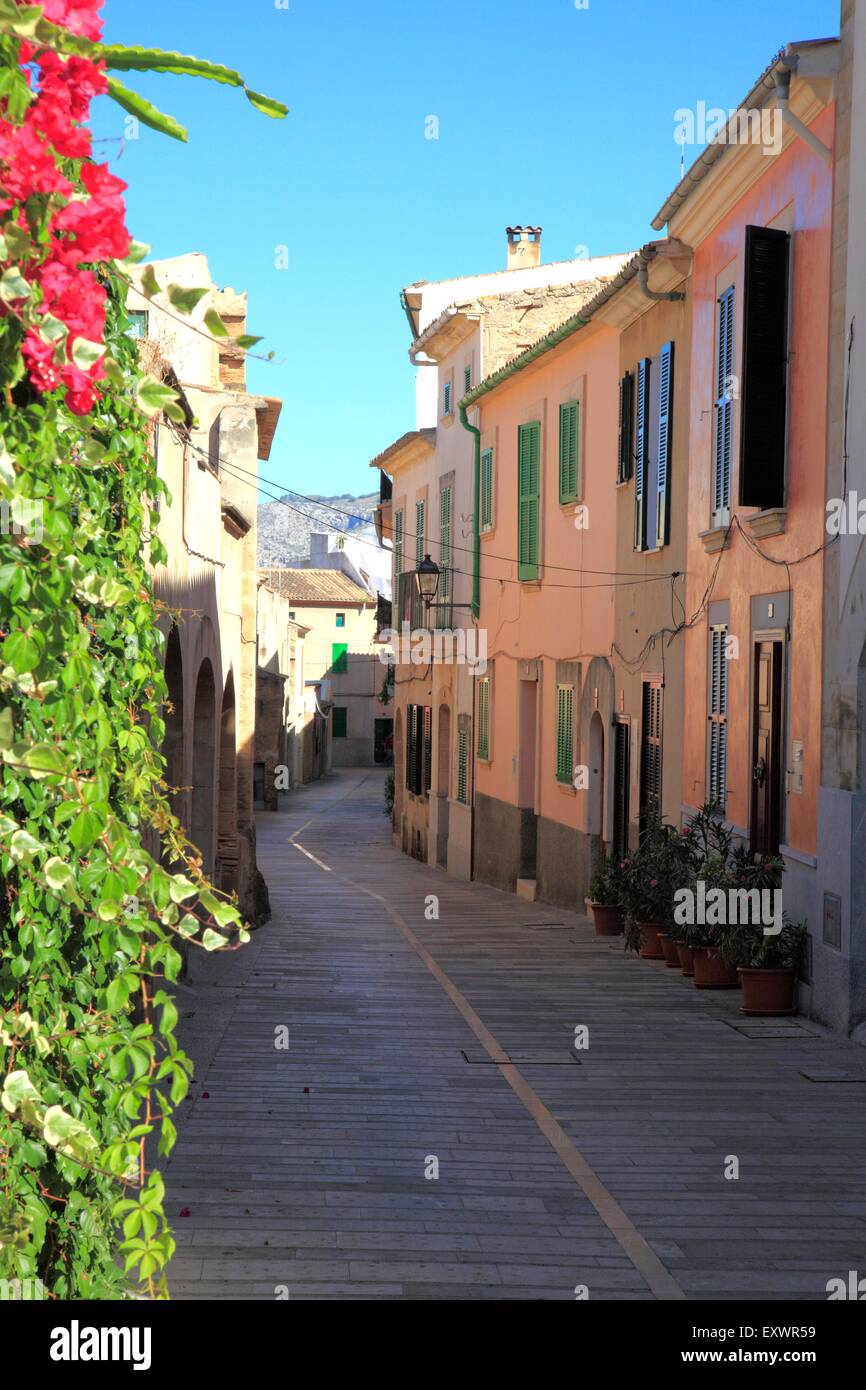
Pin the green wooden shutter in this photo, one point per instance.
(718, 717)
(528, 489)
(642, 453)
(484, 718)
(486, 489)
(420, 510)
(565, 733)
(724, 406)
(339, 658)
(398, 558)
(445, 547)
(446, 398)
(666, 432)
(339, 718)
(626, 428)
(427, 748)
(467, 380)
(569, 422)
(462, 766)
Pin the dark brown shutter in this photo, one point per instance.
(626, 428)
(765, 368)
(620, 788)
(410, 747)
(666, 435)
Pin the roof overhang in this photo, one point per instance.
(728, 166)
(446, 333)
(410, 448)
(267, 417)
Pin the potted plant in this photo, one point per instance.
(606, 898)
(768, 968)
(650, 877)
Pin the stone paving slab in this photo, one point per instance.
(305, 1167)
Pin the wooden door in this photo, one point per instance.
(766, 821)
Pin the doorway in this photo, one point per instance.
(527, 740)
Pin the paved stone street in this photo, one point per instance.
(303, 1169)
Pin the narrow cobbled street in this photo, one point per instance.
(430, 1130)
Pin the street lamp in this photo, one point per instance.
(427, 579)
(427, 584)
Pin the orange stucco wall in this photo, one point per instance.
(565, 616)
(800, 180)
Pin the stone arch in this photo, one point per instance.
(203, 751)
(227, 799)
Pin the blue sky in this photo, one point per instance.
(547, 114)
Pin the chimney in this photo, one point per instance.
(524, 247)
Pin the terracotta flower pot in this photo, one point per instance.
(767, 992)
(687, 958)
(710, 973)
(650, 946)
(669, 947)
(607, 918)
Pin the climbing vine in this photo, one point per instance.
(100, 891)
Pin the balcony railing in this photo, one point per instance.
(411, 608)
(384, 614)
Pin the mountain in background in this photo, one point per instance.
(284, 527)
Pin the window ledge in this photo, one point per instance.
(566, 788)
(770, 522)
(715, 539)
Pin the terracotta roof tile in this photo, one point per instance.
(316, 586)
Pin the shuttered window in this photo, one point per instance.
(398, 543)
(339, 658)
(724, 407)
(420, 510)
(463, 766)
(565, 734)
(665, 444)
(528, 487)
(339, 719)
(651, 753)
(445, 547)
(625, 464)
(718, 717)
(484, 718)
(419, 748)
(642, 437)
(467, 379)
(569, 424)
(446, 398)
(487, 490)
(764, 387)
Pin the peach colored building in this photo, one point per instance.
(544, 708)
(760, 228)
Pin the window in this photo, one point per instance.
(487, 490)
(718, 716)
(569, 420)
(764, 392)
(528, 484)
(625, 464)
(467, 379)
(339, 658)
(398, 549)
(292, 614)
(138, 323)
(419, 748)
(445, 551)
(651, 753)
(483, 743)
(653, 449)
(420, 510)
(446, 398)
(724, 423)
(341, 620)
(565, 734)
(463, 766)
(641, 469)
(339, 716)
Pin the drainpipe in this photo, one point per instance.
(783, 87)
(476, 519)
(642, 273)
